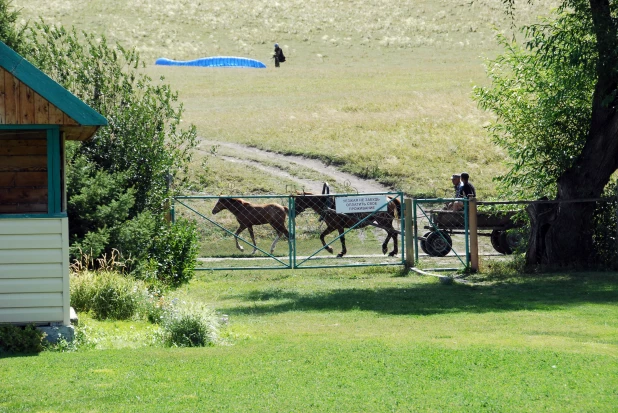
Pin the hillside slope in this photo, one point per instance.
(379, 89)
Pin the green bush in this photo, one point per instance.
(107, 295)
(185, 325)
(119, 183)
(172, 255)
(82, 287)
(10, 33)
(15, 339)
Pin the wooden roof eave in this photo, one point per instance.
(79, 133)
(82, 114)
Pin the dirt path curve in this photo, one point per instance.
(282, 165)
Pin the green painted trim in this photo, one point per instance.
(383, 264)
(28, 127)
(49, 89)
(50, 174)
(53, 171)
(33, 216)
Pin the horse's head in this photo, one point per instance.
(222, 203)
(308, 200)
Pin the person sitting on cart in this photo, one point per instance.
(467, 189)
(458, 186)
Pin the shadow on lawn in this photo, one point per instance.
(435, 298)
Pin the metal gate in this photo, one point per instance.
(441, 233)
(372, 223)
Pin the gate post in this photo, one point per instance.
(292, 230)
(408, 234)
(474, 238)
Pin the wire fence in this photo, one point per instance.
(602, 228)
(441, 233)
(341, 230)
(300, 231)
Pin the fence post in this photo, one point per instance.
(292, 230)
(616, 222)
(474, 238)
(408, 235)
(415, 226)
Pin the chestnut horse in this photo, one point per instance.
(248, 215)
(321, 204)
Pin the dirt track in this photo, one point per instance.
(279, 165)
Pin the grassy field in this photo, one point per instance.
(350, 340)
(381, 90)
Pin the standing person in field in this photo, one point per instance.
(278, 56)
(458, 186)
(468, 190)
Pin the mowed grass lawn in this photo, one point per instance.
(352, 340)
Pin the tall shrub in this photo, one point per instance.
(122, 177)
(10, 33)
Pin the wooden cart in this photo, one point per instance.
(494, 224)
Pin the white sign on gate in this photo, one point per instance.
(360, 203)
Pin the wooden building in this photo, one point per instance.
(37, 116)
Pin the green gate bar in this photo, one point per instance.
(284, 265)
(292, 242)
(417, 205)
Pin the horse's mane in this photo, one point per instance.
(234, 200)
(244, 203)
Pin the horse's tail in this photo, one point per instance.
(397, 203)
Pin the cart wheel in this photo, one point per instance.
(496, 234)
(509, 241)
(438, 244)
(424, 243)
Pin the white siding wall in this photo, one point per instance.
(34, 270)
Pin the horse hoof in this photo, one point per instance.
(392, 254)
(339, 255)
(384, 250)
(329, 250)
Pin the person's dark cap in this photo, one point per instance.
(465, 175)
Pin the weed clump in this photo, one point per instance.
(107, 295)
(188, 325)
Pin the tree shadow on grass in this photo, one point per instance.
(435, 298)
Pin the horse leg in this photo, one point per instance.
(391, 233)
(252, 239)
(385, 243)
(280, 229)
(324, 233)
(240, 229)
(274, 244)
(395, 250)
(344, 251)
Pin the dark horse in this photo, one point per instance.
(321, 204)
(248, 215)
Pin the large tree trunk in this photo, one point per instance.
(561, 233)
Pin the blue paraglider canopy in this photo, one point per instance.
(217, 61)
